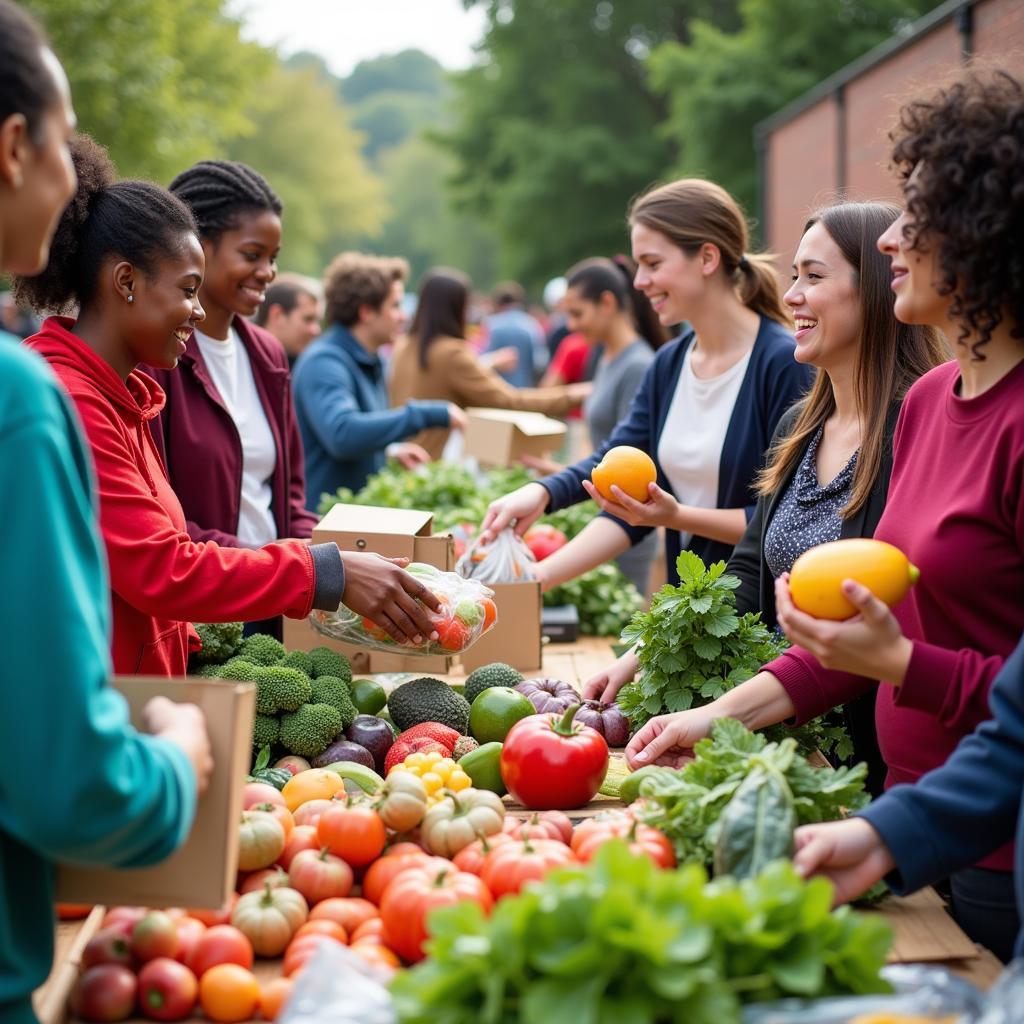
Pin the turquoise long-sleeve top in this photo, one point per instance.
(77, 783)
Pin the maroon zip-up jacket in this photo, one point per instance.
(200, 446)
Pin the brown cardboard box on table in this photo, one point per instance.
(394, 533)
(201, 873)
(499, 437)
(516, 637)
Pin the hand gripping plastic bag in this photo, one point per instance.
(505, 560)
(467, 612)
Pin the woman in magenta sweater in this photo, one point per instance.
(956, 497)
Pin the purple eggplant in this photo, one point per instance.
(549, 695)
(607, 719)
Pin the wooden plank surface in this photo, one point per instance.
(51, 998)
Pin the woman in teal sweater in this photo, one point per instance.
(80, 784)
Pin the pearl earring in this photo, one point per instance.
(131, 298)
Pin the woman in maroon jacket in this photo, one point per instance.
(228, 433)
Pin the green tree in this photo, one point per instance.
(407, 71)
(719, 84)
(161, 83)
(305, 146)
(557, 128)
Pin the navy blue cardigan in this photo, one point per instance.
(959, 813)
(773, 381)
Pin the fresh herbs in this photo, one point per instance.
(693, 647)
(622, 941)
(688, 804)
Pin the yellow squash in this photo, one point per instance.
(817, 576)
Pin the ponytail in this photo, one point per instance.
(758, 287)
(134, 220)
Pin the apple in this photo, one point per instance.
(103, 993)
(154, 936)
(167, 990)
(108, 946)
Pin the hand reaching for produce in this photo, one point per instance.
(522, 507)
(849, 853)
(409, 455)
(605, 685)
(870, 644)
(503, 360)
(380, 589)
(668, 739)
(660, 509)
(184, 725)
(456, 417)
(541, 464)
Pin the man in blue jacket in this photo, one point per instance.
(341, 397)
(952, 818)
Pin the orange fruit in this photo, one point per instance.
(273, 996)
(816, 579)
(228, 992)
(630, 469)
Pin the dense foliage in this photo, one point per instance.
(687, 804)
(621, 940)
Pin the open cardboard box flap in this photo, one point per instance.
(202, 873)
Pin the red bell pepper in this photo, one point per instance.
(549, 761)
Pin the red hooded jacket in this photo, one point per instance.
(160, 579)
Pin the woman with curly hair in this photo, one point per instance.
(956, 497)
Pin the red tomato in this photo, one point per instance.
(155, 936)
(384, 870)
(490, 612)
(212, 917)
(397, 849)
(410, 898)
(544, 540)
(369, 931)
(508, 868)
(167, 990)
(104, 992)
(303, 837)
(353, 832)
(123, 918)
(319, 875)
(309, 812)
(377, 954)
(546, 825)
(275, 877)
(330, 928)
(350, 912)
(190, 931)
(273, 995)
(642, 839)
(549, 761)
(471, 858)
(222, 944)
(300, 950)
(108, 946)
(261, 793)
(452, 634)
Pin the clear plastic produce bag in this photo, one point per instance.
(467, 612)
(338, 986)
(506, 559)
(917, 989)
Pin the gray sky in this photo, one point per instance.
(345, 32)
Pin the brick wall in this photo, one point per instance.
(802, 163)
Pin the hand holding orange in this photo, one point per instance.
(630, 469)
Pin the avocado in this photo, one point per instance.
(495, 674)
(428, 700)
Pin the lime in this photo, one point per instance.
(483, 766)
(495, 711)
(369, 697)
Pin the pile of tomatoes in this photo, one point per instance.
(322, 868)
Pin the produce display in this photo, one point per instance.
(467, 613)
(693, 647)
(816, 578)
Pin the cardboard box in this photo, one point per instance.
(202, 873)
(395, 533)
(499, 437)
(516, 637)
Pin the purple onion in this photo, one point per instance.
(549, 695)
(607, 719)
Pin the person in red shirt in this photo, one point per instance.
(956, 498)
(126, 255)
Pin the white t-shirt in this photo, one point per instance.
(690, 447)
(231, 373)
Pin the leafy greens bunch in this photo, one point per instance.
(619, 940)
(693, 647)
(687, 804)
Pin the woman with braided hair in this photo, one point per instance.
(228, 434)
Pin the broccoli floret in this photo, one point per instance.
(221, 641)
(265, 731)
(330, 663)
(239, 669)
(332, 690)
(280, 689)
(300, 660)
(209, 672)
(261, 649)
(310, 730)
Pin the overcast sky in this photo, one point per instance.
(345, 32)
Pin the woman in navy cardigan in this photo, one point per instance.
(709, 404)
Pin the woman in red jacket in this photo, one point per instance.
(127, 256)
